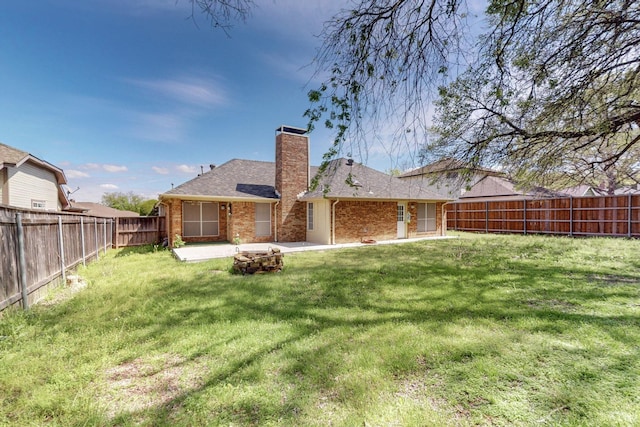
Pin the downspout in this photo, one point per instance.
(275, 218)
(444, 218)
(167, 222)
(333, 222)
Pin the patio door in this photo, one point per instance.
(401, 223)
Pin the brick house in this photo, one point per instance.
(261, 202)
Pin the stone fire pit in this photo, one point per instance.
(258, 262)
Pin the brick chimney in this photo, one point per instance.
(292, 178)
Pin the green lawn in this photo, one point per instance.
(480, 330)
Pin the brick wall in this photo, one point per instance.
(413, 225)
(174, 226)
(368, 220)
(242, 223)
(292, 178)
(377, 220)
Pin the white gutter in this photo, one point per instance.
(333, 222)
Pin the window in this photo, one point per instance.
(400, 213)
(38, 204)
(263, 219)
(199, 219)
(426, 217)
(310, 216)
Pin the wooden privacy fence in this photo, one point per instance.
(37, 248)
(136, 231)
(616, 216)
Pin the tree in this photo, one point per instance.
(556, 85)
(221, 13)
(548, 78)
(129, 202)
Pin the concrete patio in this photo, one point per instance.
(202, 252)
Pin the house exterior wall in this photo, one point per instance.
(321, 233)
(357, 220)
(292, 178)
(4, 192)
(412, 227)
(242, 224)
(174, 223)
(29, 182)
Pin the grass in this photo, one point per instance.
(480, 330)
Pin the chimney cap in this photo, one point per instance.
(291, 129)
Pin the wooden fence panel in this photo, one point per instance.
(617, 216)
(45, 258)
(136, 231)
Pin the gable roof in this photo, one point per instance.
(447, 164)
(495, 186)
(366, 183)
(235, 179)
(12, 157)
(96, 209)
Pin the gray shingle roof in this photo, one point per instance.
(10, 155)
(255, 179)
(367, 183)
(235, 178)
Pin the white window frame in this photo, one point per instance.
(260, 221)
(426, 224)
(38, 204)
(310, 214)
(215, 206)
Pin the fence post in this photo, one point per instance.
(455, 227)
(524, 216)
(104, 236)
(61, 247)
(486, 217)
(22, 265)
(117, 237)
(629, 213)
(570, 216)
(84, 258)
(95, 222)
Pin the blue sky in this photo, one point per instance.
(132, 95)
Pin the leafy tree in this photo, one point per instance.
(547, 79)
(555, 88)
(129, 202)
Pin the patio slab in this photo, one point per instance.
(203, 252)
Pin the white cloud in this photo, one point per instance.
(167, 128)
(186, 168)
(160, 170)
(114, 168)
(90, 166)
(187, 90)
(109, 186)
(71, 173)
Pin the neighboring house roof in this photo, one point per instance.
(583, 190)
(499, 187)
(12, 157)
(96, 209)
(366, 183)
(235, 179)
(445, 165)
(628, 190)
